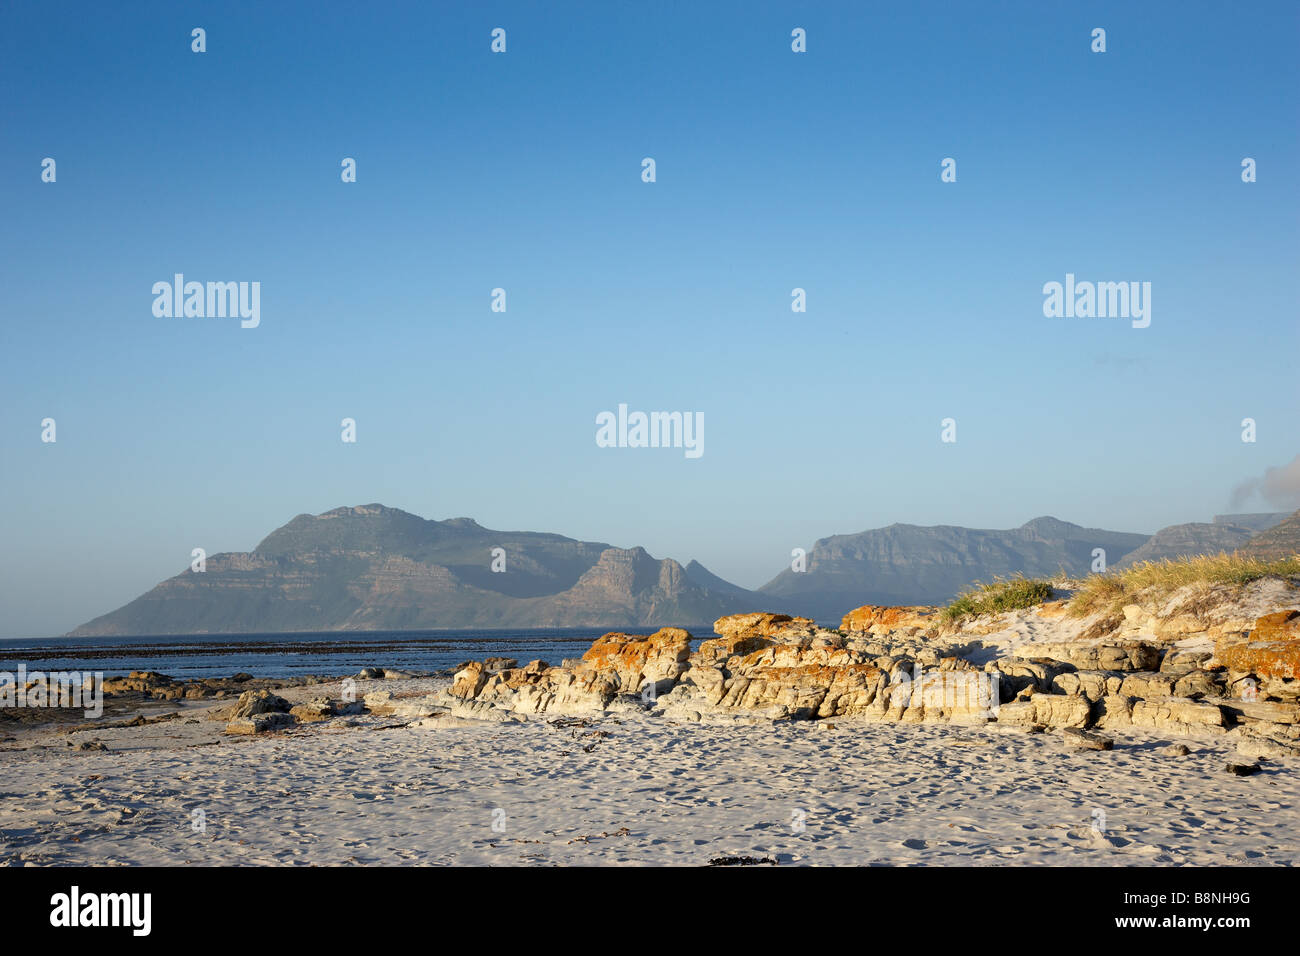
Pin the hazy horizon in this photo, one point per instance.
(775, 170)
(683, 560)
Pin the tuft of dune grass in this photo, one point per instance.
(1003, 594)
(1110, 591)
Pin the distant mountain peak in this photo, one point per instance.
(464, 523)
(1260, 521)
(906, 564)
(1048, 524)
(374, 567)
(1280, 541)
(358, 510)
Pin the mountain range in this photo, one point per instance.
(1225, 533)
(1280, 540)
(377, 568)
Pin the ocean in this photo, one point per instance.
(327, 653)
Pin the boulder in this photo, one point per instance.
(882, 619)
(716, 650)
(1113, 711)
(1284, 713)
(537, 688)
(260, 723)
(1271, 650)
(151, 683)
(1146, 684)
(1198, 684)
(761, 624)
(1047, 710)
(1098, 656)
(1179, 661)
(615, 664)
(1086, 740)
(1256, 747)
(1177, 715)
(469, 680)
(323, 708)
(634, 660)
(1093, 685)
(448, 721)
(250, 704)
(806, 689)
(1036, 673)
(403, 707)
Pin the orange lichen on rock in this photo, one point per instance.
(1271, 649)
(881, 618)
(759, 624)
(718, 649)
(628, 653)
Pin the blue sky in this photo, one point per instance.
(775, 170)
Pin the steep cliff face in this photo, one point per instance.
(378, 568)
(1181, 540)
(639, 587)
(1256, 522)
(1280, 541)
(908, 564)
(1226, 533)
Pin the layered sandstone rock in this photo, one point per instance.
(761, 624)
(637, 661)
(1047, 710)
(879, 619)
(800, 680)
(1102, 655)
(250, 704)
(615, 664)
(260, 723)
(1270, 651)
(891, 664)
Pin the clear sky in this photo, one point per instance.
(522, 170)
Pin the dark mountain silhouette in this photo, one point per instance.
(378, 568)
(911, 564)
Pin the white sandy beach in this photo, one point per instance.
(633, 789)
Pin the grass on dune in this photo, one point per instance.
(1112, 590)
(1003, 594)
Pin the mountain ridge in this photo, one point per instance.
(904, 564)
(373, 567)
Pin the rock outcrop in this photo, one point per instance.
(616, 664)
(1269, 651)
(155, 686)
(893, 665)
(250, 704)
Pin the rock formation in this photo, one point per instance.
(898, 664)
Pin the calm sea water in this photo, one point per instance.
(328, 653)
